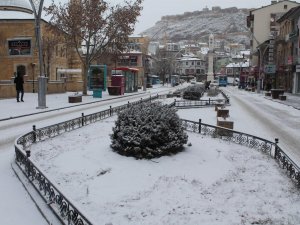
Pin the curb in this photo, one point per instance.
(38, 201)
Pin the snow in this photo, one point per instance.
(210, 182)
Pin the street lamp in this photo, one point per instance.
(37, 7)
(32, 66)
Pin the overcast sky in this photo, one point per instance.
(155, 9)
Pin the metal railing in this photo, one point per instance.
(67, 211)
(248, 140)
(198, 103)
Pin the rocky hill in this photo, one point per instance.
(228, 24)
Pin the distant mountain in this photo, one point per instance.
(229, 24)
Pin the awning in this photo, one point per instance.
(69, 71)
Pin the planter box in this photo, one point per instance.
(276, 92)
(222, 112)
(282, 97)
(75, 98)
(221, 122)
(219, 106)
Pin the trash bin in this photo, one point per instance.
(97, 93)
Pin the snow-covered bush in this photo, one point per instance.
(148, 130)
(193, 92)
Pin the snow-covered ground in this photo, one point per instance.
(165, 188)
(210, 182)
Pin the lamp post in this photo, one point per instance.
(37, 7)
(32, 66)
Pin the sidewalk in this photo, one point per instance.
(11, 109)
(291, 100)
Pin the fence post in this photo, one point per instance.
(110, 110)
(34, 133)
(199, 126)
(276, 148)
(82, 119)
(208, 101)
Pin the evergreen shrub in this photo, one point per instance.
(148, 130)
(193, 92)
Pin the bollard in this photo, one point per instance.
(110, 110)
(209, 101)
(276, 148)
(82, 119)
(199, 126)
(34, 133)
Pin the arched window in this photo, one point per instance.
(21, 69)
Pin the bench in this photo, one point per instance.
(75, 98)
(282, 97)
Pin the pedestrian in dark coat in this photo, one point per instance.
(19, 81)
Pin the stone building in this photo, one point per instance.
(19, 53)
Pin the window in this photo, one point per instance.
(198, 63)
(19, 47)
(285, 6)
(186, 63)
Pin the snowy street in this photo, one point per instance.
(267, 119)
(251, 112)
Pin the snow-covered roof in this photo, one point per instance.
(15, 3)
(244, 64)
(189, 59)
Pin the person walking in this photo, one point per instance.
(19, 81)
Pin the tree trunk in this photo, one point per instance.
(84, 79)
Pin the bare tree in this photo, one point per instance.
(93, 27)
(49, 41)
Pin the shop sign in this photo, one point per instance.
(19, 47)
(270, 69)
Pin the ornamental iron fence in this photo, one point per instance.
(248, 140)
(65, 210)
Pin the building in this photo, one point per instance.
(288, 52)
(190, 67)
(263, 28)
(136, 56)
(19, 54)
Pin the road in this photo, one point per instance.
(267, 119)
